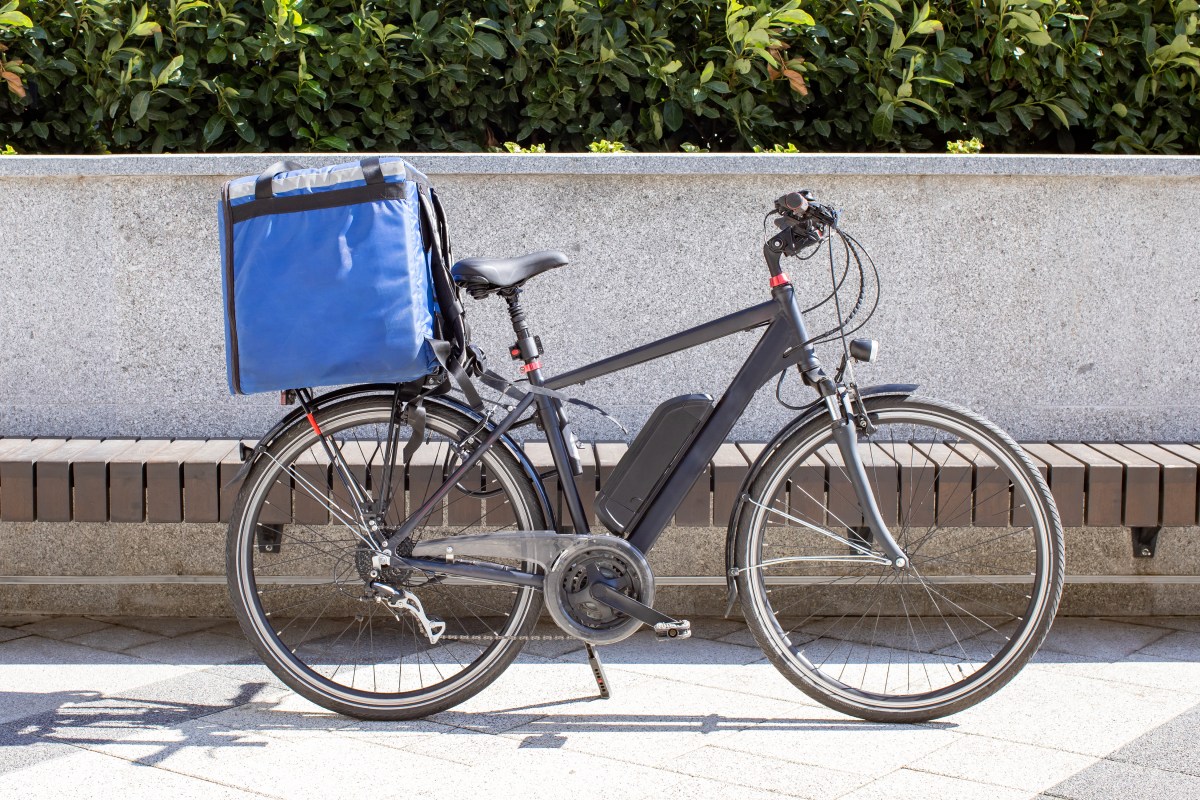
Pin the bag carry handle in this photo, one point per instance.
(371, 168)
(262, 184)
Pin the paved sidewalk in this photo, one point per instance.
(179, 707)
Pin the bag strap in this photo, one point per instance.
(262, 184)
(372, 170)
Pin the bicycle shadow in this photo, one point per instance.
(92, 720)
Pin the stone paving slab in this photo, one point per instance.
(93, 707)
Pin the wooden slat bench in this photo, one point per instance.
(1135, 485)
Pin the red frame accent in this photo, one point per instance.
(779, 280)
(530, 367)
(313, 421)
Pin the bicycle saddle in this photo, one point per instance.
(480, 276)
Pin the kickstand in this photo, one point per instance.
(598, 672)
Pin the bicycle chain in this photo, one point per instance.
(497, 638)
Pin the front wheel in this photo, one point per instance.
(985, 573)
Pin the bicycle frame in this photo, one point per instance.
(782, 346)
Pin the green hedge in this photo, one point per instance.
(98, 76)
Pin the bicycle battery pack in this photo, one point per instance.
(649, 459)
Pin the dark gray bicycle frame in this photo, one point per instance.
(780, 348)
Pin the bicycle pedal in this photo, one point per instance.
(673, 630)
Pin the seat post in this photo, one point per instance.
(526, 347)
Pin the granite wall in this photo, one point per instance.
(1059, 296)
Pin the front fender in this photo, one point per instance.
(809, 413)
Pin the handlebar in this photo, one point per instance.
(802, 222)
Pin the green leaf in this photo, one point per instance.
(1058, 112)
(214, 128)
(333, 143)
(671, 67)
(137, 108)
(168, 72)
(928, 26)
(244, 130)
(881, 123)
(707, 72)
(1039, 38)
(672, 115)
(146, 29)
(14, 19)
(491, 43)
(1119, 109)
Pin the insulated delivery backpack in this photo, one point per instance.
(336, 276)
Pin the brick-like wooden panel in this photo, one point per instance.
(1067, 478)
(884, 475)
(53, 478)
(729, 468)
(230, 465)
(424, 478)
(498, 511)
(312, 491)
(18, 501)
(89, 476)
(357, 458)
(992, 499)
(918, 485)
(201, 480)
(1105, 479)
(462, 509)
(806, 488)
(1141, 484)
(127, 480)
(954, 484)
(164, 480)
(9, 446)
(1179, 479)
(781, 500)
(842, 506)
(751, 450)
(539, 455)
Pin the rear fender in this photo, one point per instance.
(250, 457)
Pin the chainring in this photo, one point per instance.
(567, 596)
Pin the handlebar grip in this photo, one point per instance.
(795, 203)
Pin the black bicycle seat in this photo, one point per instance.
(490, 274)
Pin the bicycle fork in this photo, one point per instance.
(841, 416)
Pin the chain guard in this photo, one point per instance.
(571, 605)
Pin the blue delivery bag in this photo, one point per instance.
(327, 276)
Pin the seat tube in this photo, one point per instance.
(566, 461)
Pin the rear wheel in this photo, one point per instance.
(300, 571)
(986, 563)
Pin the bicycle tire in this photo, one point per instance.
(988, 618)
(482, 636)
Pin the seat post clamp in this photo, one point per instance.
(530, 367)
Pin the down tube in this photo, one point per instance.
(768, 358)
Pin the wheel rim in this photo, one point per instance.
(303, 602)
(875, 637)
